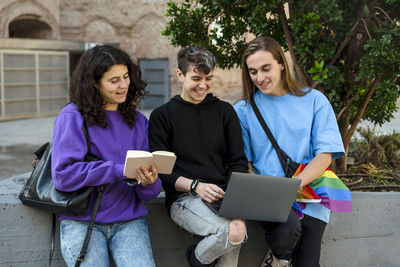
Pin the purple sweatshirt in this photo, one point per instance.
(120, 202)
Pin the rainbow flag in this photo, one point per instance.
(334, 194)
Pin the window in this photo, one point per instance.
(33, 83)
(155, 73)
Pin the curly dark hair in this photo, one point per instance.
(89, 71)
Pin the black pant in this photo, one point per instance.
(282, 237)
(308, 248)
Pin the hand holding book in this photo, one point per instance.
(147, 176)
(163, 160)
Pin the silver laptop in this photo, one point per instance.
(258, 197)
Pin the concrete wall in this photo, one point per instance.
(369, 236)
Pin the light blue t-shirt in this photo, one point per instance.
(302, 126)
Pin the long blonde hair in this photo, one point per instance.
(271, 45)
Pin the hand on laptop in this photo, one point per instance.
(209, 192)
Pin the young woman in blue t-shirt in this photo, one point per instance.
(304, 125)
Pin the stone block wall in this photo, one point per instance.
(369, 236)
(136, 25)
(47, 11)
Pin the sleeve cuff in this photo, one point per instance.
(336, 153)
(150, 186)
(119, 171)
(147, 192)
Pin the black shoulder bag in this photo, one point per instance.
(288, 165)
(39, 192)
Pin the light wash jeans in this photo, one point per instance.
(128, 243)
(190, 213)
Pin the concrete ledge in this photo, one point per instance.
(369, 236)
(24, 231)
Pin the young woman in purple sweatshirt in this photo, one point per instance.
(105, 91)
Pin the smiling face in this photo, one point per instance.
(195, 84)
(113, 86)
(265, 73)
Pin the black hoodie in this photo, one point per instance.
(205, 137)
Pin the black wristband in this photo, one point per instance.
(193, 186)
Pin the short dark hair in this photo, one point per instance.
(90, 69)
(196, 56)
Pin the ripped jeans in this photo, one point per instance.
(190, 213)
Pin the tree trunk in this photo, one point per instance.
(341, 163)
(362, 108)
(353, 55)
(290, 42)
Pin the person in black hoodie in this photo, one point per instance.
(204, 133)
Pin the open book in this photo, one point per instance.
(163, 160)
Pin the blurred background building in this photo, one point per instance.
(42, 40)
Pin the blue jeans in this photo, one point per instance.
(128, 243)
(190, 213)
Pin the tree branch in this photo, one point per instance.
(369, 175)
(374, 187)
(344, 43)
(384, 13)
(362, 108)
(355, 182)
(289, 41)
(224, 11)
(340, 50)
(345, 108)
(366, 28)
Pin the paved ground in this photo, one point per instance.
(20, 138)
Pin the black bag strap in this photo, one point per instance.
(264, 125)
(89, 157)
(87, 137)
(81, 256)
(284, 159)
(82, 253)
(53, 235)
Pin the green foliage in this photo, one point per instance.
(188, 20)
(318, 29)
(197, 22)
(383, 104)
(318, 71)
